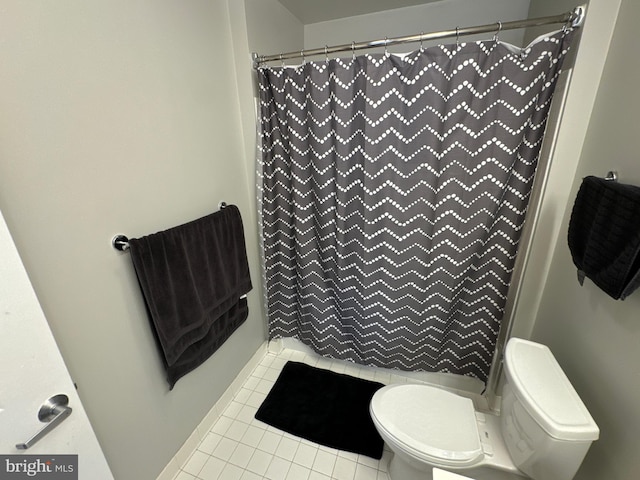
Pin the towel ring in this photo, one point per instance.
(612, 176)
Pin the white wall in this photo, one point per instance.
(571, 133)
(271, 28)
(262, 27)
(436, 16)
(596, 338)
(121, 116)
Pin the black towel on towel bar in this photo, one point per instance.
(194, 278)
(604, 235)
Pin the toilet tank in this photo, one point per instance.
(546, 426)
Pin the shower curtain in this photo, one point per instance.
(393, 194)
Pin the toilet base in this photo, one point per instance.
(402, 470)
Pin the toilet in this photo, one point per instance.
(543, 430)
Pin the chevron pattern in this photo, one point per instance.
(393, 195)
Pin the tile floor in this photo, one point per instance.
(239, 447)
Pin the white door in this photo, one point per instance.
(32, 371)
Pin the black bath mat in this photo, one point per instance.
(324, 407)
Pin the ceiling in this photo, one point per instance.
(314, 11)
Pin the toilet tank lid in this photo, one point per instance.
(544, 390)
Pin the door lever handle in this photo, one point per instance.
(52, 412)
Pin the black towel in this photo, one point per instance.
(604, 235)
(192, 277)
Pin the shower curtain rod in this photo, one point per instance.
(574, 18)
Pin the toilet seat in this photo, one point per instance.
(429, 423)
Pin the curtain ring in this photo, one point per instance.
(281, 60)
(458, 37)
(386, 41)
(421, 46)
(495, 36)
(326, 55)
(353, 50)
(302, 55)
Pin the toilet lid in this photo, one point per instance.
(430, 423)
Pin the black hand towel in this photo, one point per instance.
(192, 277)
(604, 235)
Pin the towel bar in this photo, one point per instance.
(121, 242)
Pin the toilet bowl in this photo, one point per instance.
(542, 432)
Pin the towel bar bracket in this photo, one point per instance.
(612, 176)
(120, 242)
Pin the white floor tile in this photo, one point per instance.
(349, 455)
(195, 463)
(251, 383)
(278, 362)
(324, 462)
(271, 374)
(365, 473)
(225, 448)
(260, 371)
(318, 476)
(242, 395)
(259, 424)
(236, 430)
(222, 425)
(256, 399)
(247, 475)
(231, 472)
(264, 386)
(241, 455)
(232, 409)
(297, 356)
(287, 448)
(305, 455)
(344, 469)
(298, 472)
(212, 469)
(310, 360)
(382, 475)
(247, 414)
(209, 443)
(269, 442)
(184, 476)
(259, 462)
(239, 447)
(268, 359)
(252, 436)
(324, 363)
(278, 469)
(368, 461)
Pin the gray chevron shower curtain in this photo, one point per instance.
(393, 194)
